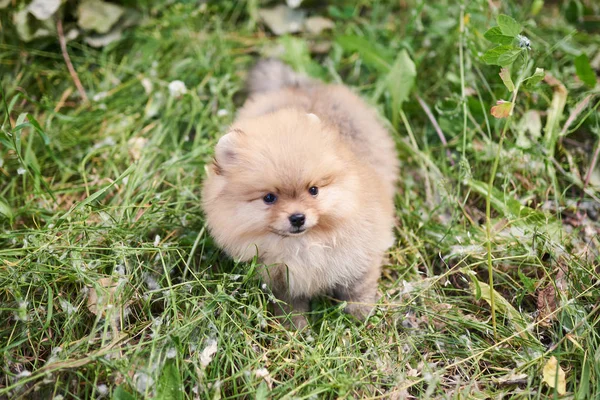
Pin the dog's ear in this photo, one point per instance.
(225, 151)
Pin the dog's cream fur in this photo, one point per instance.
(292, 134)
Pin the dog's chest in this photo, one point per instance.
(310, 268)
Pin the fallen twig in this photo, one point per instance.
(63, 47)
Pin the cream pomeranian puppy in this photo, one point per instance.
(305, 180)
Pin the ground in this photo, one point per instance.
(111, 287)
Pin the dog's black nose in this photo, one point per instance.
(297, 220)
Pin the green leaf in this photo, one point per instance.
(262, 393)
(371, 55)
(401, 79)
(584, 70)
(6, 210)
(505, 76)
(297, 55)
(536, 7)
(122, 394)
(508, 25)
(527, 282)
(495, 35)
(536, 78)
(509, 57)
(169, 383)
(491, 56)
(518, 320)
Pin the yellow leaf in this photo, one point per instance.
(502, 109)
(551, 369)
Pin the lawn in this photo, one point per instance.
(110, 285)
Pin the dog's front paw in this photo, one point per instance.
(360, 311)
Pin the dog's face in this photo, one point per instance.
(284, 175)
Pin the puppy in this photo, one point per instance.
(305, 179)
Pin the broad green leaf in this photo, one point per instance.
(372, 55)
(262, 393)
(122, 394)
(508, 25)
(505, 75)
(491, 56)
(536, 7)
(536, 78)
(97, 15)
(401, 79)
(495, 35)
(169, 383)
(584, 70)
(6, 210)
(503, 306)
(509, 57)
(502, 109)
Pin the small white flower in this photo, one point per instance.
(222, 112)
(102, 389)
(156, 240)
(177, 88)
(21, 171)
(524, 42)
(99, 96)
(293, 3)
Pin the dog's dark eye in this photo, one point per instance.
(313, 190)
(270, 198)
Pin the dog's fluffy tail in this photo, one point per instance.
(271, 74)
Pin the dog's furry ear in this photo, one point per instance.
(225, 154)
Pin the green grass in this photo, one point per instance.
(109, 206)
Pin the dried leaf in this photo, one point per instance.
(554, 376)
(546, 305)
(575, 113)
(282, 19)
(316, 25)
(135, 146)
(505, 76)
(554, 113)
(502, 109)
(97, 303)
